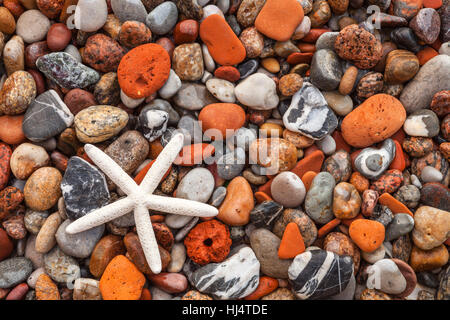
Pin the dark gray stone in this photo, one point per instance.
(83, 188)
(248, 68)
(265, 213)
(231, 164)
(326, 71)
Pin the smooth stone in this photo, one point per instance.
(435, 195)
(32, 26)
(83, 188)
(265, 245)
(242, 138)
(346, 201)
(431, 78)
(374, 256)
(221, 89)
(326, 41)
(67, 72)
(13, 55)
(79, 245)
(264, 214)
(309, 114)
(197, 185)
(327, 145)
(26, 159)
(153, 123)
(248, 68)
(326, 71)
(348, 293)
(90, 15)
(305, 224)
(171, 87)
(409, 195)
(339, 165)
(73, 51)
(61, 267)
(319, 198)
(86, 289)
(426, 25)
(384, 275)
(177, 258)
(190, 127)
(163, 18)
(231, 164)
(14, 271)
(257, 91)
(46, 117)
(318, 274)
(288, 189)
(431, 227)
(163, 105)
(234, 278)
(36, 258)
(372, 163)
(341, 105)
(129, 10)
(130, 102)
(208, 60)
(431, 174)
(193, 96)
(401, 224)
(32, 279)
(34, 220)
(218, 196)
(187, 61)
(422, 123)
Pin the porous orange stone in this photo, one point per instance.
(307, 179)
(278, 19)
(46, 289)
(266, 285)
(121, 280)
(360, 182)
(291, 243)
(236, 207)
(375, 120)
(220, 120)
(223, 44)
(399, 159)
(426, 54)
(327, 228)
(143, 70)
(393, 204)
(368, 235)
(194, 154)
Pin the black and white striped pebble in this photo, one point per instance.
(372, 163)
(234, 278)
(153, 123)
(318, 274)
(46, 117)
(309, 113)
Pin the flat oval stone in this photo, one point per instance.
(163, 18)
(46, 117)
(79, 245)
(318, 201)
(99, 123)
(129, 10)
(83, 188)
(90, 15)
(309, 113)
(67, 72)
(231, 164)
(42, 189)
(32, 26)
(426, 25)
(14, 271)
(288, 189)
(193, 96)
(401, 224)
(17, 92)
(104, 251)
(197, 185)
(61, 267)
(372, 163)
(26, 159)
(258, 92)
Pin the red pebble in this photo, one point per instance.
(313, 35)
(300, 57)
(185, 31)
(227, 73)
(18, 293)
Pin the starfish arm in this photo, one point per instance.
(101, 216)
(181, 206)
(162, 163)
(111, 169)
(147, 238)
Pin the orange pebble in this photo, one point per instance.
(426, 54)
(328, 227)
(368, 235)
(437, 44)
(393, 204)
(278, 19)
(348, 222)
(353, 156)
(261, 197)
(399, 136)
(310, 150)
(340, 142)
(155, 149)
(121, 280)
(360, 182)
(46, 289)
(300, 57)
(220, 120)
(146, 295)
(313, 35)
(306, 47)
(266, 285)
(435, 4)
(291, 243)
(399, 159)
(11, 129)
(157, 218)
(307, 179)
(141, 174)
(223, 44)
(194, 154)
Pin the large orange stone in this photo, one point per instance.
(221, 118)
(235, 209)
(368, 235)
(121, 280)
(278, 19)
(375, 120)
(223, 44)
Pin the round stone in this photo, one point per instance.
(163, 18)
(32, 26)
(197, 185)
(288, 189)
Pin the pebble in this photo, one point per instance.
(422, 123)
(235, 209)
(37, 258)
(372, 163)
(45, 239)
(163, 18)
(257, 91)
(221, 89)
(177, 258)
(384, 275)
(231, 164)
(153, 123)
(431, 227)
(346, 201)
(242, 138)
(26, 159)
(288, 190)
(401, 66)
(242, 268)
(428, 260)
(42, 189)
(90, 15)
(426, 25)
(340, 104)
(253, 42)
(266, 244)
(8, 24)
(17, 93)
(86, 289)
(326, 70)
(334, 281)
(431, 174)
(187, 62)
(13, 55)
(430, 79)
(193, 96)
(274, 154)
(302, 29)
(104, 251)
(32, 26)
(171, 87)
(78, 99)
(53, 117)
(248, 11)
(32, 279)
(14, 271)
(129, 10)
(435, 195)
(318, 201)
(368, 235)
(197, 185)
(408, 195)
(374, 256)
(341, 244)
(46, 289)
(6, 245)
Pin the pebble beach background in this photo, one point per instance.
(319, 130)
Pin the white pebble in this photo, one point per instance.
(178, 257)
(415, 181)
(171, 87)
(221, 89)
(208, 59)
(327, 145)
(210, 10)
(431, 174)
(288, 189)
(130, 102)
(73, 51)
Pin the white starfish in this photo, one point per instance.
(140, 199)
